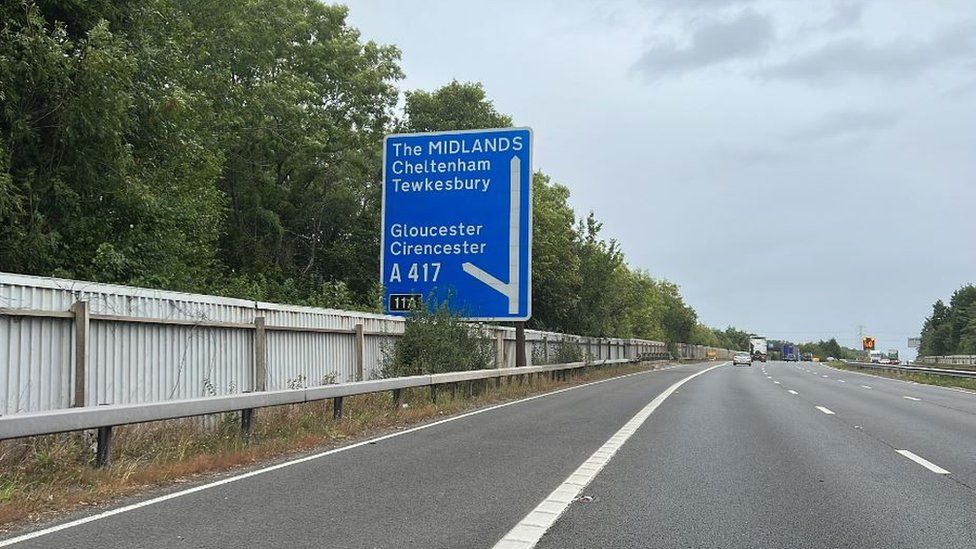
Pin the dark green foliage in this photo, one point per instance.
(951, 330)
(830, 348)
(456, 106)
(436, 342)
(193, 146)
(234, 148)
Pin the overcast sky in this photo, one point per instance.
(798, 168)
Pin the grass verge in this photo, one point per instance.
(41, 477)
(928, 379)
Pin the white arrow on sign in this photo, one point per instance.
(510, 290)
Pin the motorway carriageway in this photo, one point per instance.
(702, 455)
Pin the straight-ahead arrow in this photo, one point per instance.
(511, 289)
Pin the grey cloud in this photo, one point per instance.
(846, 15)
(845, 123)
(897, 60)
(712, 43)
(754, 156)
(694, 4)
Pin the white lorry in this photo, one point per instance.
(757, 348)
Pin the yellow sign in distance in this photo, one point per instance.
(867, 343)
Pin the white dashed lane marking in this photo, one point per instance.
(827, 411)
(923, 462)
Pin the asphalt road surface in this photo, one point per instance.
(788, 455)
(773, 455)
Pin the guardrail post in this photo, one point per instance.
(260, 355)
(500, 361)
(337, 408)
(360, 351)
(397, 398)
(82, 324)
(433, 394)
(246, 415)
(520, 344)
(103, 447)
(453, 391)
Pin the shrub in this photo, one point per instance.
(560, 352)
(437, 341)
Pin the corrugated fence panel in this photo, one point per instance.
(135, 362)
(178, 356)
(37, 358)
(305, 359)
(314, 358)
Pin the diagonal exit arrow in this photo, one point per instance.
(511, 289)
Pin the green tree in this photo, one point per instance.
(600, 263)
(456, 106)
(86, 190)
(302, 107)
(556, 279)
(937, 332)
(961, 319)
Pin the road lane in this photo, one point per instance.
(940, 425)
(734, 460)
(458, 484)
(960, 399)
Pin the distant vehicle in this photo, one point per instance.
(893, 356)
(757, 348)
(791, 353)
(876, 356)
(742, 358)
(831, 359)
(806, 357)
(884, 360)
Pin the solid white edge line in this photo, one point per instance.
(923, 462)
(827, 411)
(529, 530)
(910, 398)
(166, 497)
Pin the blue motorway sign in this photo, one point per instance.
(457, 222)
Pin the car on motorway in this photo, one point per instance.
(742, 358)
